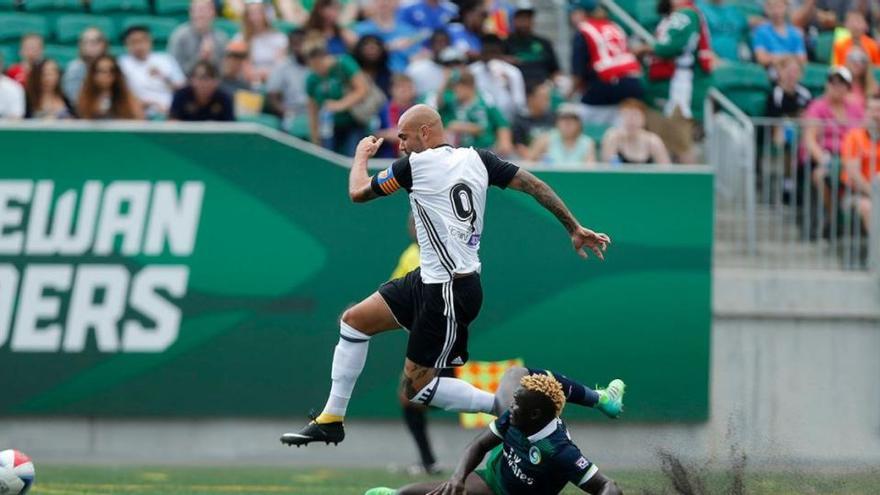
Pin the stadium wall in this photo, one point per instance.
(201, 273)
(792, 379)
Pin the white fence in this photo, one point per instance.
(778, 208)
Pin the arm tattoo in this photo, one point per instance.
(526, 182)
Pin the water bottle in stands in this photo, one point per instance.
(326, 124)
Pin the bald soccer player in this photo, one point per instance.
(437, 302)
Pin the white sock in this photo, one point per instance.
(348, 362)
(457, 395)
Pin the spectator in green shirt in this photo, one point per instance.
(470, 119)
(335, 85)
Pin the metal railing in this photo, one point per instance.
(628, 20)
(779, 206)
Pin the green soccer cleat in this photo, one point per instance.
(381, 491)
(611, 398)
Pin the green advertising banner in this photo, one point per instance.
(198, 274)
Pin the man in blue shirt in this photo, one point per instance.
(778, 38)
(401, 40)
(531, 452)
(466, 35)
(428, 15)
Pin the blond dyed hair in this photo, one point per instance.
(547, 385)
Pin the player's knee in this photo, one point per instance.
(350, 317)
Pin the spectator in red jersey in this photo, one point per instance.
(604, 77)
(45, 100)
(105, 94)
(31, 53)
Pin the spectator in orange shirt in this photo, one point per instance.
(860, 154)
(858, 29)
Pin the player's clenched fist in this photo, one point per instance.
(368, 146)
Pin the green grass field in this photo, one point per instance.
(58, 480)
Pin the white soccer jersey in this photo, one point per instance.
(447, 192)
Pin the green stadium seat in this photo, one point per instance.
(10, 54)
(824, 47)
(68, 27)
(284, 26)
(119, 6)
(814, 78)
(14, 24)
(160, 27)
(54, 6)
(646, 14)
(595, 132)
(741, 75)
(745, 84)
(63, 54)
(228, 26)
(117, 50)
(751, 101)
(172, 7)
(643, 11)
(262, 118)
(749, 7)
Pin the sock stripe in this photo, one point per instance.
(354, 341)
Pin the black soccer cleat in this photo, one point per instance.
(314, 432)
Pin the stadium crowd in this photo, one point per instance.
(331, 71)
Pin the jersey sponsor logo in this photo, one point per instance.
(459, 233)
(126, 300)
(582, 463)
(513, 462)
(534, 455)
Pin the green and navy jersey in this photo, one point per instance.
(540, 463)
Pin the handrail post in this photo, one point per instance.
(874, 233)
(749, 185)
(631, 23)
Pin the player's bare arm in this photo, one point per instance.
(472, 457)
(359, 189)
(581, 237)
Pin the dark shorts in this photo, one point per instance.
(436, 315)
